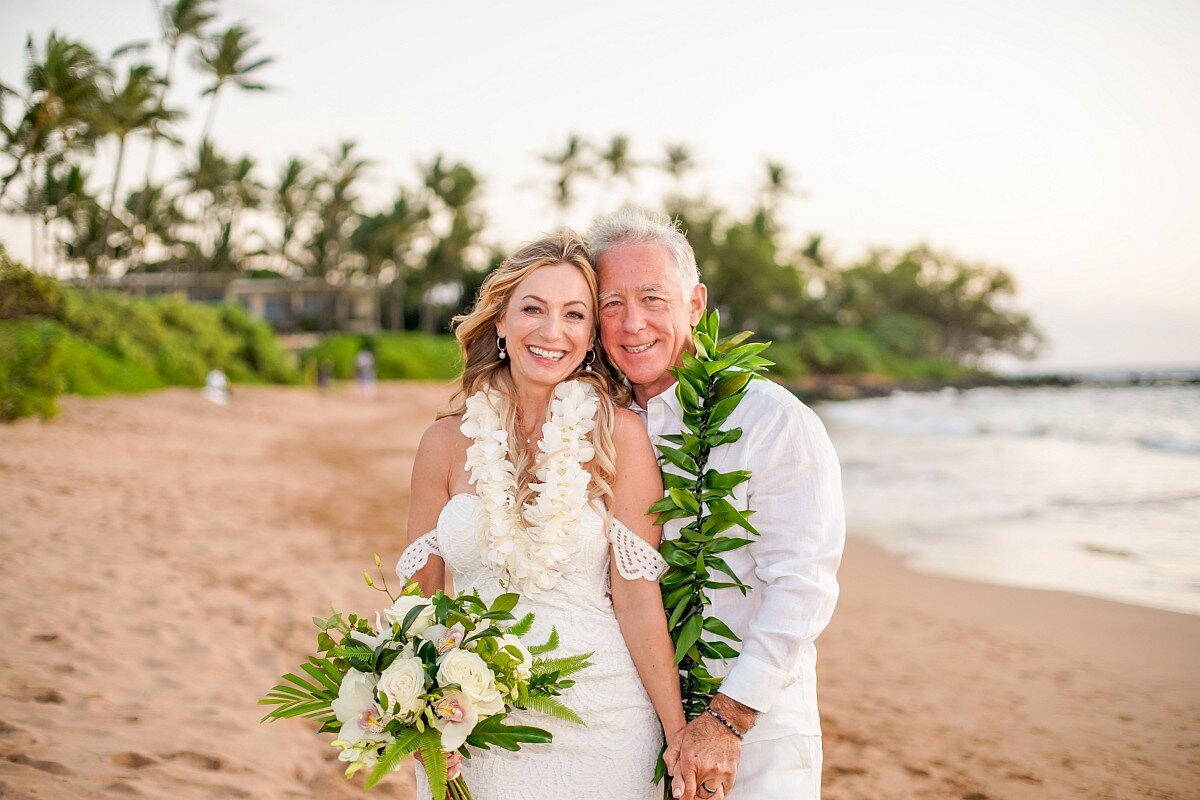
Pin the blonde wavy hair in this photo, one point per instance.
(483, 368)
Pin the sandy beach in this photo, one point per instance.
(160, 559)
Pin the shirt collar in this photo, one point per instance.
(667, 397)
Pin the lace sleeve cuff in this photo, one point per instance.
(417, 554)
(634, 558)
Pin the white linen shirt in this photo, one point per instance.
(795, 489)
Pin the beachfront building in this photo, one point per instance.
(289, 305)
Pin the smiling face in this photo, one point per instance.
(645, 320)
(548, 325)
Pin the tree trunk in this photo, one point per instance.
(398, 292)
(208, 121)
(112, 201)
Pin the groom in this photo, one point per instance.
(762, 729)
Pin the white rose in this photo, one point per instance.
(524, 670)
(406, 603)
(403, 683)
(472, 675)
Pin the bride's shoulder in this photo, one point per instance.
(629, 433)
(443, 435)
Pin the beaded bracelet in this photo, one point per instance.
(721, 719)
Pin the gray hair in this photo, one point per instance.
(636, 225)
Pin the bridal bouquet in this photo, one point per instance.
(433, 675)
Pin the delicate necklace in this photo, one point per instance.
(532, 547)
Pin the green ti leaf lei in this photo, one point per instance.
(711, 384)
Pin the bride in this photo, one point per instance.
(538, 483)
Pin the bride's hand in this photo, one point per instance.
(671, 756)
(453, 764)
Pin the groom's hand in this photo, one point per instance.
(708, 757)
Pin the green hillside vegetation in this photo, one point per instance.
(56, 339)
(398, 356)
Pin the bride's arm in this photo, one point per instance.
(429, 493)
(637, 602)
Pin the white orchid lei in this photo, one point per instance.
(531, 547)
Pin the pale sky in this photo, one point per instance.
(1057, 139)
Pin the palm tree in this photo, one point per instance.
(180, 21)
(204, 180)
(616, 161)
(454, 191)
(571, 165)
(292, 201)
(678, 163)
(226, 59)
(777, 186)
(386, 239)
(156, 215)
(63, 87)
(132, 107)
(337, 193)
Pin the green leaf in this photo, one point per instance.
(716, 650)
(493, 731)
(506, 602)
(687, 637)
(684, 499)
(741, 517)
(725, 480)
(666, 504)
(714, 625)
(677, 594)
(679, 458)
(405, 742)
(715, 523)
(723, 437)
(686, 393)
(730, 342)
(675, 555)
(667, 516)
(722, 544)
(730, 385)
(673, 481)
(721, 411)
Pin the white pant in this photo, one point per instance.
(779, 769)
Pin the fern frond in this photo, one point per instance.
(564, 666)
(522, 626)
(551, 644)
(553, 708)
(392, 755)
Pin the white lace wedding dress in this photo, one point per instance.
(613, 756)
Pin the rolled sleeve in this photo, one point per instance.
(795, 490)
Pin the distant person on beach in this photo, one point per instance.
(216, 387)
(364, 364)
(762, 728)
(324, 374)
(537, 398)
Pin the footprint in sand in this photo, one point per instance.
(48, 696)
(7, 729)
(196, 759)
(51, 767)
(133, 760)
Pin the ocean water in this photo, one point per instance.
(1090, 489)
